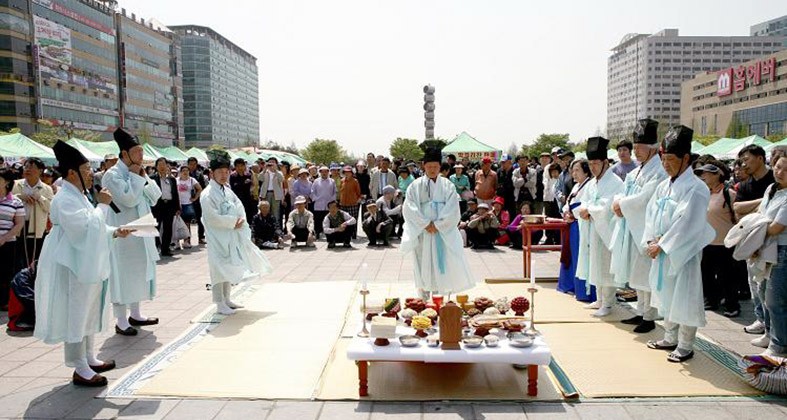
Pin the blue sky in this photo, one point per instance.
(504, 71)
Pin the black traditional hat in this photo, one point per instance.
(678, 141)
(68, 157)
(433, 155)
(125, 140)
(597, 148)
(646, 131)
(219, 159)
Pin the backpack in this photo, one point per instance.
(728, 203)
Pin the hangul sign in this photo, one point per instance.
(734, 79)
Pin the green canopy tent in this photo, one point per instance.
(94, 158)
(200, 155)
(611, 154)
(173, 153)
(719, 146)
(101, 148)
(696, 146)
(732, 152)
(778, 143)
(465, 145)
(17, 146)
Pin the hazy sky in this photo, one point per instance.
(504, 71)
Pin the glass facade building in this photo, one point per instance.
(220, 90)
(17, 97)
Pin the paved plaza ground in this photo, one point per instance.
(34, 383)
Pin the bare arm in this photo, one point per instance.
(743, 208)
(775, 229)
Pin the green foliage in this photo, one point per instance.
(775, 137)
(406, 149)
(14, 130)
(545, 143)
(272, 145)
(217, 147)
(737, 129)
(48, 134)
(324, 151)
(437, 143)
(579, 147)
(707, 139)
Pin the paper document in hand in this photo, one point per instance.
(145, 226)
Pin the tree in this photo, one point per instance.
(545, 143)
(512, 150)
(48, 134)
(706, 140)
(324, 151)
(406, 149)
(737, 129)
(273, 145)
(438, 143)
(775, 137)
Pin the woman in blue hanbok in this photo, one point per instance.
(568, 281)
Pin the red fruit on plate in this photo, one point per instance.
(520, 305)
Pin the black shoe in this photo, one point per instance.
(674, 358)
(138, 323)
(97, 381)
(386, 243)
(371, 244)
(645, 326)
(633, 321)
(711, 306)
(105, 367)
(331, 245)
(347, 245)
(130, 331)
(167, 254)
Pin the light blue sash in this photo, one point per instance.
(439, 239)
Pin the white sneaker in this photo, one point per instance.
(594, 305)
(756, 327)
(770, 353)
(761, 341)
(223, 309)
(602, 312)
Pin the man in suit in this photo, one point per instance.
(272, 187)
(382, 177)
(376, 224)
(168, 206)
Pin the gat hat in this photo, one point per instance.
(347, 168)
(499, 200)
(459, 165)
(218, 159)
(323, 168)
(110, 156)
(389, 189)
(486, 159)
(678, 141)
(125, 140)
(371, 202)
(433, 155)
(68, 157)
(483, 206)
(646, 131)
(597, 148)
(300, 200)
(708, 167)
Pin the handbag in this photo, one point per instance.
(765, 373)
(179, 230)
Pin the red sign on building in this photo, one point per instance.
(735, 79)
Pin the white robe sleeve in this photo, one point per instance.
(450, 214)
(151, 192)
(125, 192)
(684, 238)
(211, 214)
(412, 212)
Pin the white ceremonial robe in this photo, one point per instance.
(595, 256)
(440, 264)
(73, 270)
(630, 263)
(133, 259)
(677, 217)
(232, 256)
(583, 259)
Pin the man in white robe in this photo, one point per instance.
(133, 276)
(431, 233)
(676, 231)
(596, 208)
(73, 271)
(629, 261)
(232, 256)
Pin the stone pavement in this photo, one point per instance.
(34, 383)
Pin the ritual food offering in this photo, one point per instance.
(520, 305)
(491, 340)
(503, 305)
(429, 313)
(491, 311)
(416, 304)
(433, 340)
(514, 324)
(481, 303)
(472, 312)
(392, 305)
(382, 329)
(461, 300)
(519, 340)
(481, 331)
(409, 340)
(372, 309)
(407, 314)
(438, 301)
(472, 341)
(421, 323)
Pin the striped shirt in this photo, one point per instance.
(10, 208)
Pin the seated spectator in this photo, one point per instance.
(388, 204)
(376, 224)
(515, 227)
(265, 230)
(503, 218)
(338, 226)
(482, 228)
(301, 224)
(472, 209)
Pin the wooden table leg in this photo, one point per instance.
(532, 380)
(363, 378)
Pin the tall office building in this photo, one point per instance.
(645, 72)
(773, 27)
(220, 90)
(17, 97)
(75, 65)
(151, 105)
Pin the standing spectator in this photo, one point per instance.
(240, 183)
(626, 164)
(364, 179)
(12, 220)
(541, 172)
(462, 184)
(774, 207)
(197, 173)
(551, 175)
(377, 225)
(255, 181)
(738, 172)
(167, 206)
(301, 187)
(382, 177)
(749, 197)
(289, 183)
(404, 180)
(482, 228)
(109, 161)
(776, 153)
(717, 264)
(338, 226)
(323, 192)
(350, 195)
(505, 180)
(464, 218)
(564, 182)
(272, 187)
(265, 229)
(485, 182)
(446, 170)
(189, 191)
(37, 197)
(524, 179)
(301, 222)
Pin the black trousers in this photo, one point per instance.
(374, 237)
(718, 277)
(27, 251)
(165, 216)
(198, 216)
(300, 234)
(485, 239)
(319, 216)
(8, 262)
(340, 237)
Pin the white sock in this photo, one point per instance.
(594, 305)
(135, 312)
(227, 292)
(603, 311)
(224, 309)
(82, 369)
(123, 323)
(92, 360)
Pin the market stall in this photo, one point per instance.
(466, 146)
